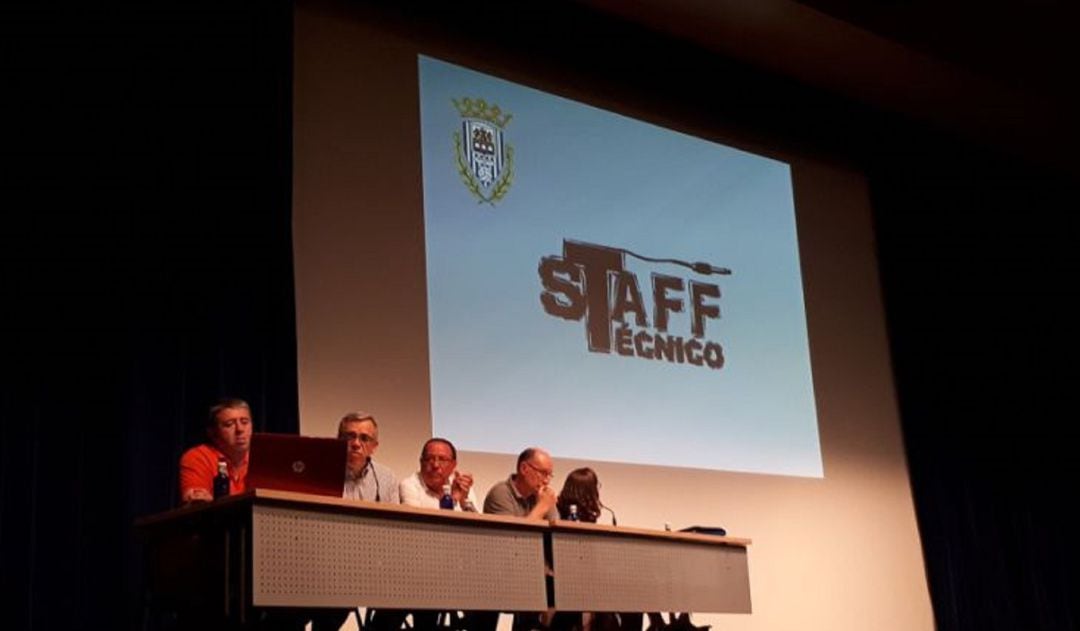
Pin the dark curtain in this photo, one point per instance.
(980, 263)
(147, 271)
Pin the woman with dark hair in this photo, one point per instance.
(581, 489)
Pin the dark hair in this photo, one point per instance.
(582, 487)
(225, 404)
(453, 450)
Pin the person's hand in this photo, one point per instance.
(197, 495)
(459, 490)
(546, 498)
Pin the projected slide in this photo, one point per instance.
(609, 289)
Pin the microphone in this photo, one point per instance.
(370, 464)
(614, 522)
(375, 474)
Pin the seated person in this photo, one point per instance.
(438, 464)
(228, 430)
(424, 489)
(582, 490)
(524, 494)
(365, 479)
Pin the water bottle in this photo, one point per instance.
(447, 500)
(573, 516)
(221, 480)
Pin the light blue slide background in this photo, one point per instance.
(506, 375)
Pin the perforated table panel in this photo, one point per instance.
(323, 559)
(594, 573)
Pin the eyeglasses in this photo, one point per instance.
(364, 438)
(436, 460)
(544, 473)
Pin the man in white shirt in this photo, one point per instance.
(438, 465)
(424, 489)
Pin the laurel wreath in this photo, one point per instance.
(502, 185)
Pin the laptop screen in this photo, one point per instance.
(302, 464)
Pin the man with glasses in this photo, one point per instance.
(365, 479)
(525, 493)
(438, 464)
(424, 489)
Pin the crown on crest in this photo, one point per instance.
(479, 108)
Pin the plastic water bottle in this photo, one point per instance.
(573, 516)
(447, 500)
(221, 480)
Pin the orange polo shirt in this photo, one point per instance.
(198, 467)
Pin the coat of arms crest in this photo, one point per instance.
(485, 161)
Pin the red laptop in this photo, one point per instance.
(302, 464)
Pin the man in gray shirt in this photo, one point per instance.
(525, 493)
(365, 479)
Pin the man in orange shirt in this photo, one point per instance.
(228, 429)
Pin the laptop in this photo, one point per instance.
(302, 464)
